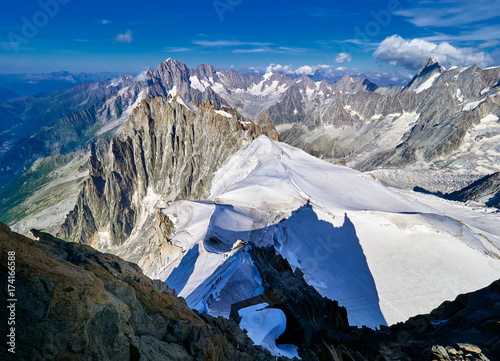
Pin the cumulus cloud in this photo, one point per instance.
(284, 69)
(290, 70)
(124, 38)
(412, 54)
(343, 58)
(305, 69)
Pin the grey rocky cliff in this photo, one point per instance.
(164, 150)
(174, 74)
(425, 124)
(68, 120)
(304, 95)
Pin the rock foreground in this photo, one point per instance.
(75, 303)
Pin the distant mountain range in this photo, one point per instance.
(383, 129)
(180, 170)
(63, 121)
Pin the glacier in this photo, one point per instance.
(384, 254)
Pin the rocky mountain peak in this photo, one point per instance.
(426, 75)
(204, 71)
(352, 85)
(167, 149)
(431, 65)
(306, 81)
(431, 60)
(172, 66)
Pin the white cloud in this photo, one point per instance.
(305, 69)
(301, 70)
(487, 34)
(490, 44)
(104, 21)
(177, 50)
(343, 58)
(287, 49)
(124, 38)
(412, 54)
(254, 50)
(219, 43)
(284, 69)
(142, 76)
(457, 14)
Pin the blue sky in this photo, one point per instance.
(130, 36)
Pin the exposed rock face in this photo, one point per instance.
(75, 303)
(431, 68)
(165, 150)
(353, 85)
(173, 76)
(467, 325)
(311, 318)
(486, 188)
(248, 93)
(304, 95)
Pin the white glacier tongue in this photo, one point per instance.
(382, 254)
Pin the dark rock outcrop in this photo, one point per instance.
(488, 186)
(74, 303)
(311, 318)
(472, 318)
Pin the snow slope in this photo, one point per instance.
(379, 252)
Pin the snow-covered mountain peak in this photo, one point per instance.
(269, 167)
(380, 245)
